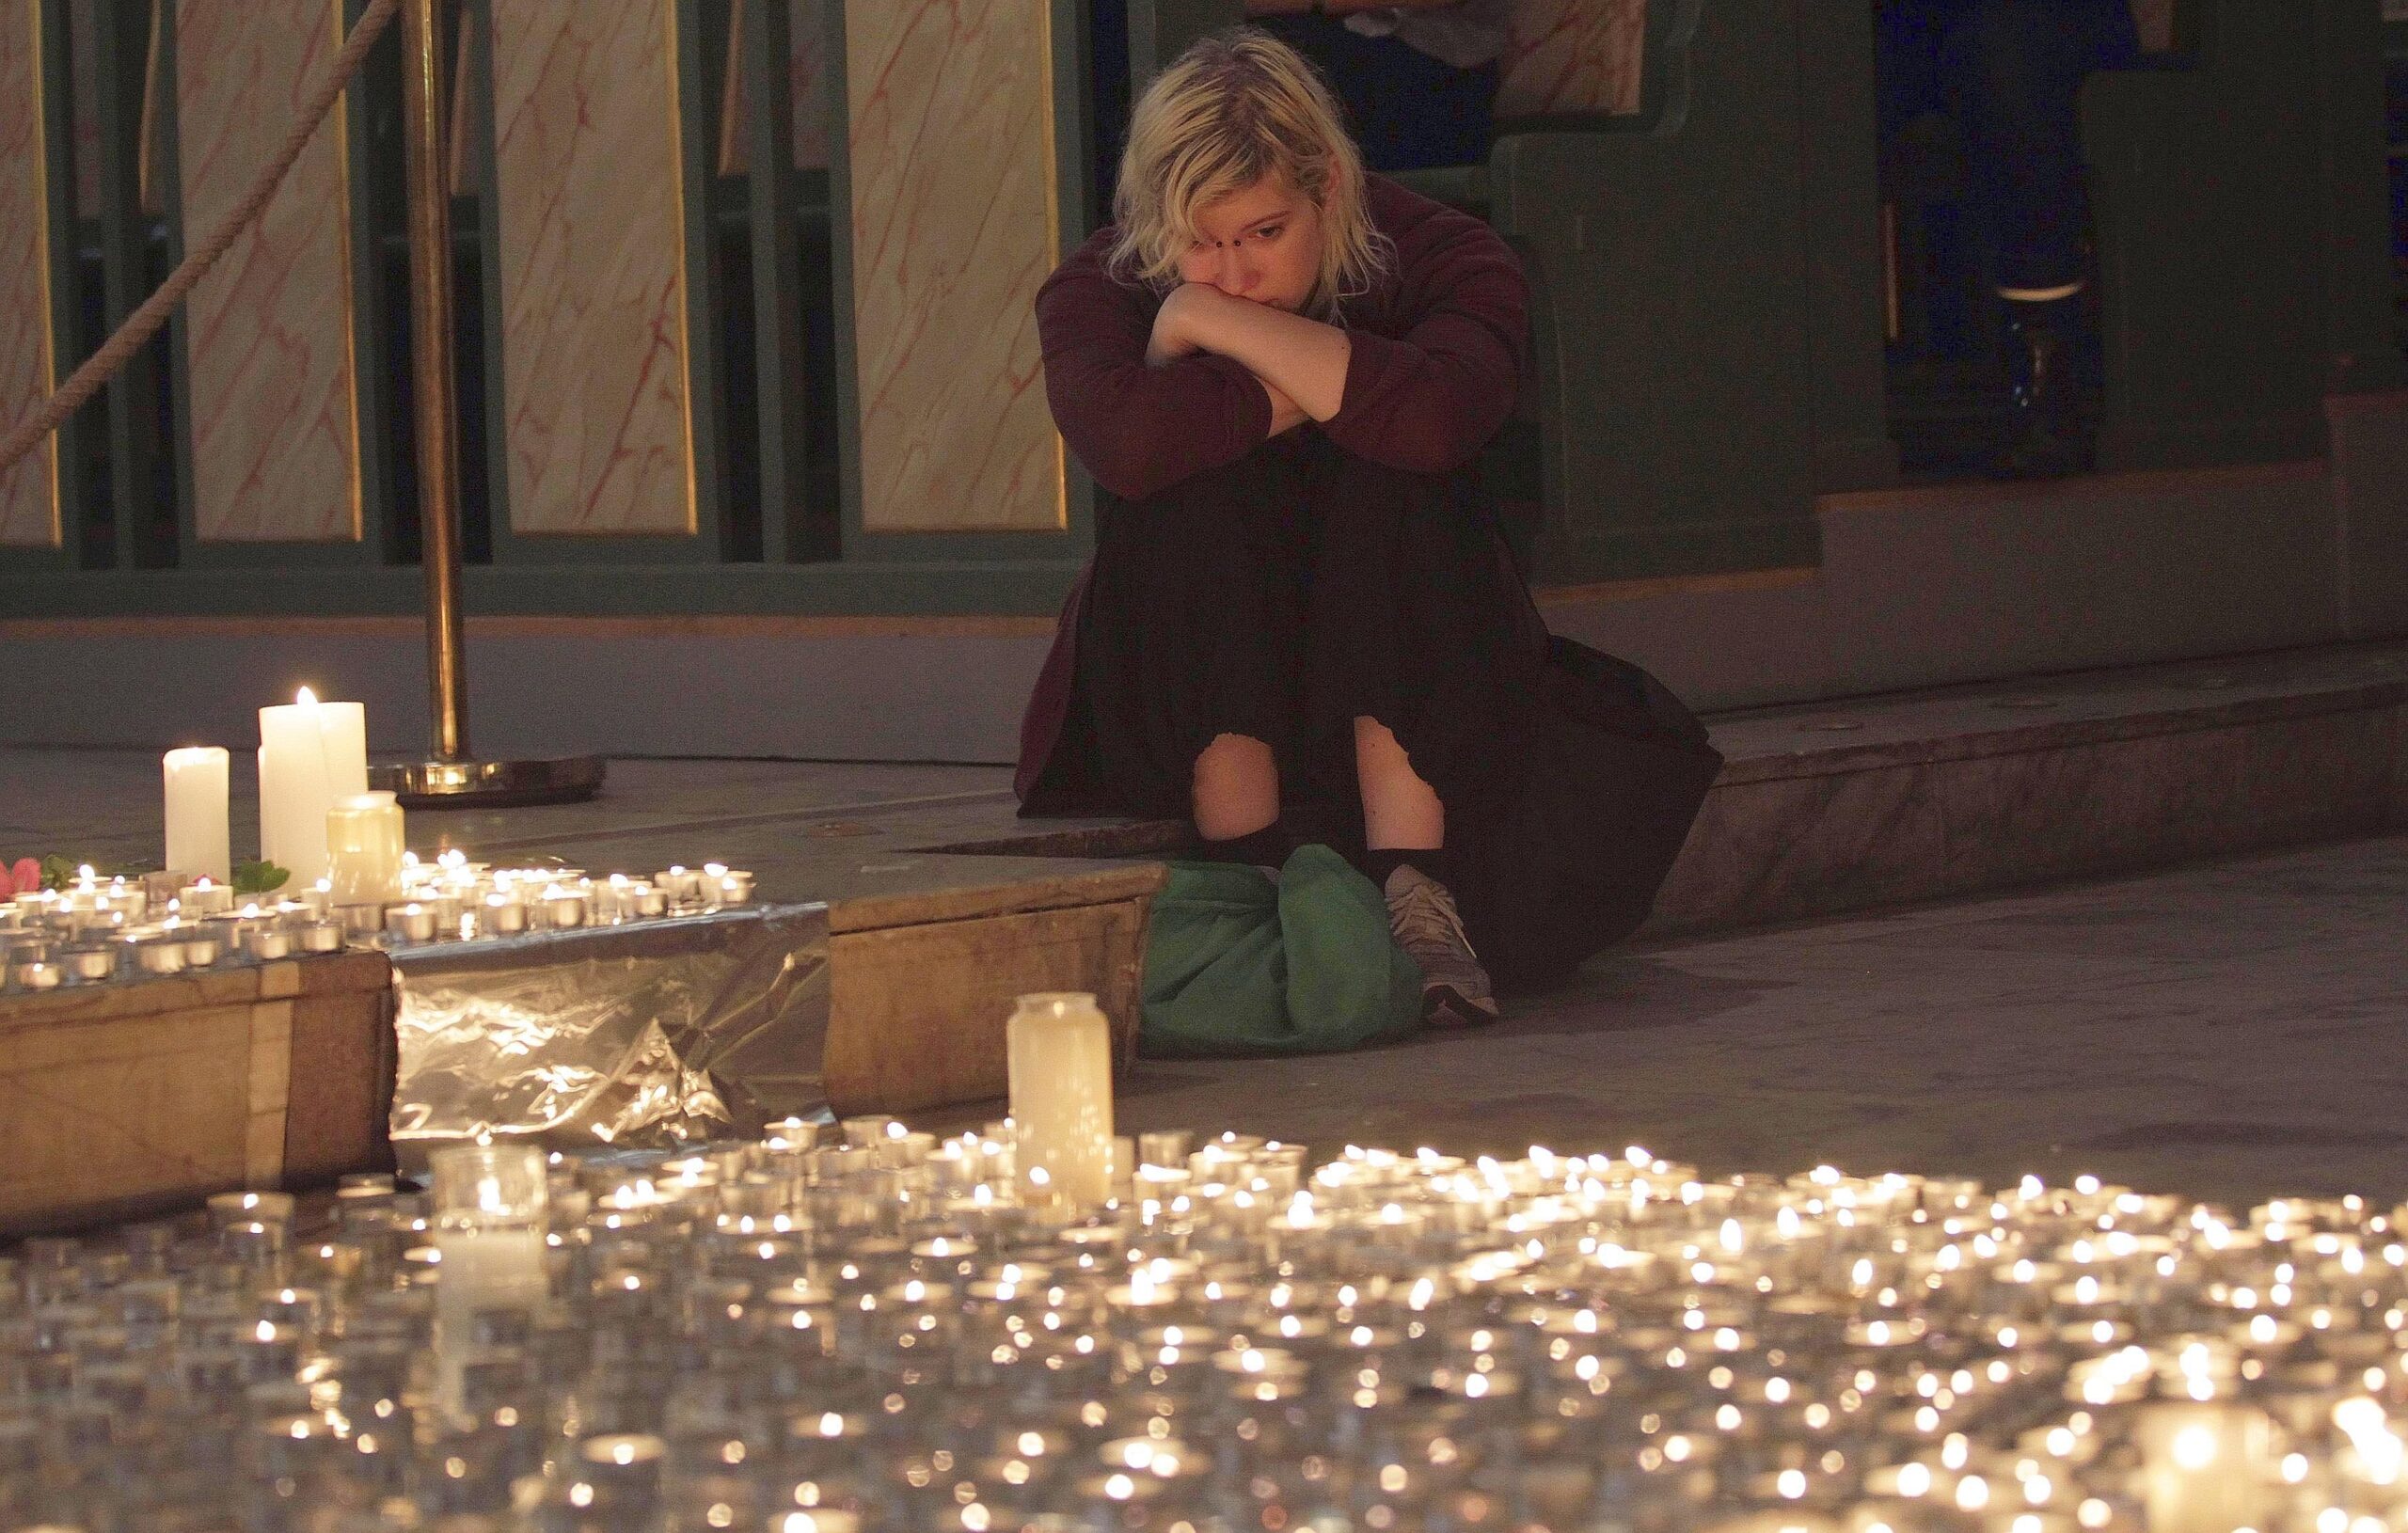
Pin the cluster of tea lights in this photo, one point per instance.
(453, 899)
(833, 1331)
(101, 930)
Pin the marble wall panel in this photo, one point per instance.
(954, 226)
(593, 234)
(1571, 55)
(29, 491)
(268, 351)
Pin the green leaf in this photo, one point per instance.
(57, 871)
(258, 878)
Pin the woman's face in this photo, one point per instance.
(1261, 243)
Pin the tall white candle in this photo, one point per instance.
(311, 753)
(197, 838)
(1058, 1052)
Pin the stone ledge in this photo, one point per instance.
(1828, 808)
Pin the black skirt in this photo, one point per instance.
(1286, 594)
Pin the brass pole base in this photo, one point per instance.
(488, 784)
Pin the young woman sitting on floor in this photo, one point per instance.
(1281, 369)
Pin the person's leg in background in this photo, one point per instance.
(2014, 70)
(1405, 109)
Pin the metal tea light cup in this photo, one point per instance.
(91, 965)
(267, 943)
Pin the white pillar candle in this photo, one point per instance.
(364, 852)
(196, 785)
(490, 1212)
(1058, 1052)
(311, 753)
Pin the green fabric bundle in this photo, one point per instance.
(1237, 963)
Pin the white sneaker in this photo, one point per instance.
(1454, 988)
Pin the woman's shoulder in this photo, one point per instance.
(1085, 277)
(1437, 249)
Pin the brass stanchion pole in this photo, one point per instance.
(431, 362)
(453, 777)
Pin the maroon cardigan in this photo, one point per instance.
(1437, 352)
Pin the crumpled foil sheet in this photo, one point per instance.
(653, 1035)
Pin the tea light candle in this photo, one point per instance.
(677, 883)
(160, 956)
(563, 909)
(267, 943)
(201, 950)
(321, 937)
(1059, 1050)
(35, 974)
(735, 887)
(319, 899)
(195, 778)
(364, 849)
(311, 755)
(204, 896)
(650, 900)
(505, 915)
(411, 922)
(89, 964)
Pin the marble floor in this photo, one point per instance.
(2230, 1031)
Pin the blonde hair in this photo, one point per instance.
(1234, 108)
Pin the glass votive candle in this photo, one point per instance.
(321, 937)
(320, 898)
(160, 955)
(203, 949)
(364, 849)
(411, 922)
(266, 943)
(36, 974)
(648, 899)
(736, 888)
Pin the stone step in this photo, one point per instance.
(1834, 807)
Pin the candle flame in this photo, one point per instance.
(305, 698)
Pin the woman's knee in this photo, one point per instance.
(1372, 510)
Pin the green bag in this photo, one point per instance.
(1239, 964)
